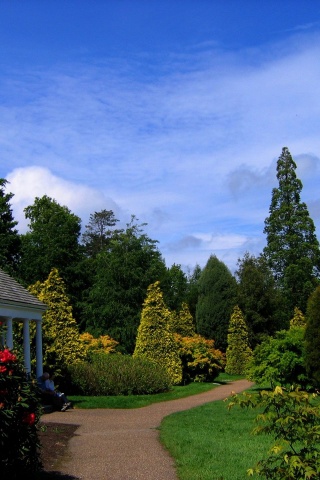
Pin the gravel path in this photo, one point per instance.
(117, 444)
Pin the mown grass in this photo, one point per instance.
(138, 401)
(212, 443)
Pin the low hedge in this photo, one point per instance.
(116, 374)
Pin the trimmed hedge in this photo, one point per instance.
(118, 375)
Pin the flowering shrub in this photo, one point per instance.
(201, 362)
(19, 415)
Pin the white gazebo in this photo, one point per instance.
(18, 305)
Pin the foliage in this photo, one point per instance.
(298, 319)
(258, 298)
(292, 417)
(118, 375)
(155, 339)
(238, 352)
(217, 293)
(9, 237)
(312, 337)
(292, 249)
(182, 322)
(51, 242)
(174, 285)
(19, 416)
(97, 234)
(193, 289)
(201, 362)
(113, 303)
(102, 344)
(280, 360)
(60, 334)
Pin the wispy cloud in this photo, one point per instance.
(189, 146)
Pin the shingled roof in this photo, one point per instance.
(11, 292)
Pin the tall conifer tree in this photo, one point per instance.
(155, 338)
(292, 249)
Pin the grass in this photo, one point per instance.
(212, 443)
(138, 401)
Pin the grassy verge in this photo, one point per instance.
(212, 443)
(137, 401)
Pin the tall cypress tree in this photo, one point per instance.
(292, 249)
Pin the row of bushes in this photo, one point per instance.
(115, 374)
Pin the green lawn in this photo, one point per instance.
(212, 443)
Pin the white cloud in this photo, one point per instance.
(30, 182)
(190, 149)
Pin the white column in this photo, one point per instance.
(26, 346)
(9, 333)
(39, 360)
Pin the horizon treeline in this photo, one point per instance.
(107, 270)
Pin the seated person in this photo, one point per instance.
(49, 393)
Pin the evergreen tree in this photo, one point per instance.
(60, 334)
(298, 319)
(155, 339)
(9, 237)
(292, 249)
(238, 352)
(217, 296)
(258, 298)
(312, 337)
(98, 232)
(182, 322)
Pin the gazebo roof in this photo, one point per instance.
(12, 293)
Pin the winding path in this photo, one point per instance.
(117, 444)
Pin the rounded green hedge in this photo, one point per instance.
(115, 374)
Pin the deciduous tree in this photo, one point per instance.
(51, 242)
(113, 304)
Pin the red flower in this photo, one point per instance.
(2, 369)
(29, 418)
(7, 356)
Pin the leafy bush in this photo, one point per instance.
(292, 417)
(19, 416)
(201, 362)
(118, 375)
(280, 360)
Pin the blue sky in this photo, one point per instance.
(174, 111)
